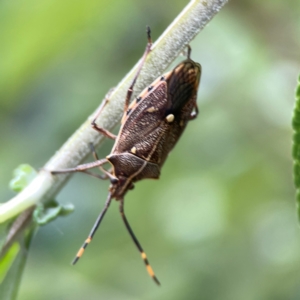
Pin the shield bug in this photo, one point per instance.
(151, 126)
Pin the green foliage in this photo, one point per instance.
(296, 145)
(12, 266)
(45, 214)
(22, 176)
(7, 260)
(14, 254)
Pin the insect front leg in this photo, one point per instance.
(98, 112)
(147, 51)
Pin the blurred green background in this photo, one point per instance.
(221, 222)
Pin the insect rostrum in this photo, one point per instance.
(150, 128)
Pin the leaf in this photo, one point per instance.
(12, 266)
(7, 260)
(45, 214)
(22, 176)
(296, 145)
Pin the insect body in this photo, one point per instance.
(150, 128)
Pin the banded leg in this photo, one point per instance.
(93, 231)
(143, 254)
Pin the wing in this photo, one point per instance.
(141, 124)
(156, 119)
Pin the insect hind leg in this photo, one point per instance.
(138, 245)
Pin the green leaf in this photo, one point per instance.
(296, 145)
(298, 89)
(43, 215)
(22, 176)
(7, 260)
(12, 266)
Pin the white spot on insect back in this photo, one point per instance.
(133, 150)
(170, 118)
(151, 109)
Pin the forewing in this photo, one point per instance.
(143, 119)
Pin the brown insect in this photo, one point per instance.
(150, 128)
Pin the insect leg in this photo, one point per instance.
(189, 50)
(93, 150)
(143, 254)
(81, 168)
(93, 231)
(147, 50)
(102, 177)
(98, 112)
(107, 174)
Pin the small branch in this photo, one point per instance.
(183, 29)
(19, 225)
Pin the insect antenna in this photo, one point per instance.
(93, 231)
(143, 254)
